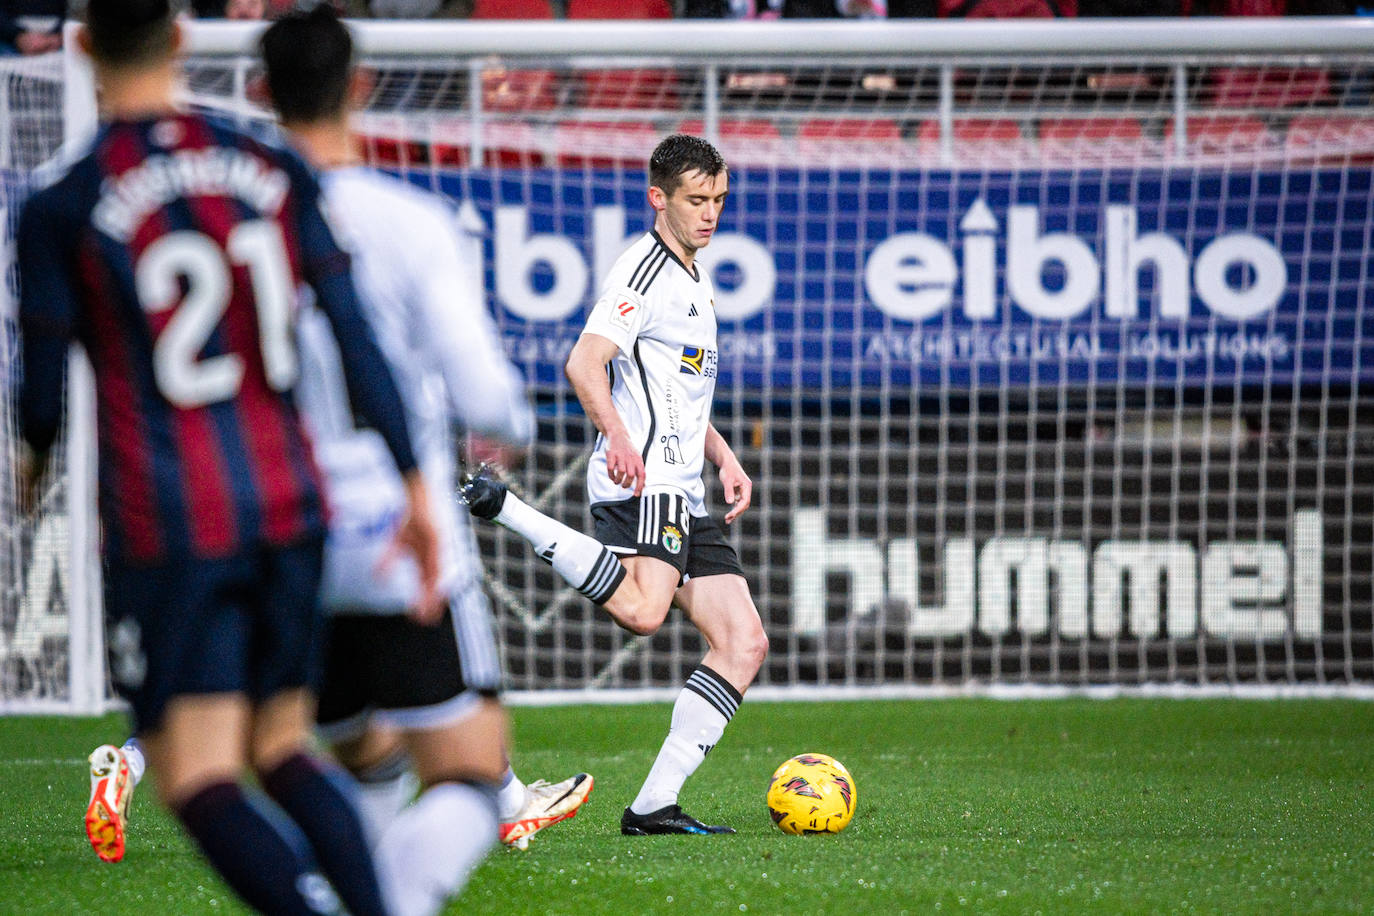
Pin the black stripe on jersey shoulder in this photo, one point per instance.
(690, 271)
(657, 270)
(651, 266)
(646, 264)
(648, 401)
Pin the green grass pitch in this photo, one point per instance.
(968, 805)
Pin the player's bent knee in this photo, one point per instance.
(760, 646)
(645, 619)
(752, 650)
(474, 747)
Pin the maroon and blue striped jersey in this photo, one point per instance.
(174, 252)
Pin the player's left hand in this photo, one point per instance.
(739, 489)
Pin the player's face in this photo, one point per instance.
(692, 213)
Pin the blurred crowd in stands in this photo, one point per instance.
(34, 26)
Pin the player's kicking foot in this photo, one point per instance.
(483, 493)
(112, 787)
(548, 804)
(671, 819)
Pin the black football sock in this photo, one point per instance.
(317, 798)
(260, 854)
(582, 561)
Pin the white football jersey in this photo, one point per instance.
(420, 286)
(662, 316)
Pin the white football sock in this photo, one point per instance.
(512, 798)
(582, 561)
(427, 853)
(133, 753)
(703, 709)
(384, 791)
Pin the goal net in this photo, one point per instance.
(1050, 367)
(49, 617)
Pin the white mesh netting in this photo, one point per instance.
(1048, 371)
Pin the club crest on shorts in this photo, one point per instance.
(672, 538)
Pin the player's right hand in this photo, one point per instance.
(624, 464)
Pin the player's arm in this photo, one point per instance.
(739, 489)
(371, 387)
(485, 392)
(586, 372)
(47, 310)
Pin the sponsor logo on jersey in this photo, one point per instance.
(672, 539)
(623, 314)
(672, 450)
(698, 361)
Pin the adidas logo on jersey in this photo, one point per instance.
(692, 311)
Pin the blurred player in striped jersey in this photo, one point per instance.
(398, 698)
(645, 372)
(172, 252)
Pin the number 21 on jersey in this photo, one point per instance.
(183, 377)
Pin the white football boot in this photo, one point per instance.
(112, 787)
(547, 804)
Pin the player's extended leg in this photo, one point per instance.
(639, 602)
(198, 752)
(721, 608)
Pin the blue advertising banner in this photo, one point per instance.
(910, 280)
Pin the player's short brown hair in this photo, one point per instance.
(130, 33)
(679, 155)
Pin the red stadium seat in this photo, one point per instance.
(605, 144)
(849, 129)
(871, 142)
(1094, 141)
(743, 142)
(1090, 130)
(1330, 139)
(649, 89)
(1224, 136)
(619, 9)
(978, 141)
(628, 89)
(512, 9)
(392, 152)
(1275, 87)
(746, 129)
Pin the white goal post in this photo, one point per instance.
(1048, 344)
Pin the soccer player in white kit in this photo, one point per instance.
(645, 372)
(396, 694)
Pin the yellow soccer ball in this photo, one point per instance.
(812, 793)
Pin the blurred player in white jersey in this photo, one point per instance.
(397, 695)
(645, 372)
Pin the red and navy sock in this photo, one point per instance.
(316, 797)
(260, 854)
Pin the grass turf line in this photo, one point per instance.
(1063, 806)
